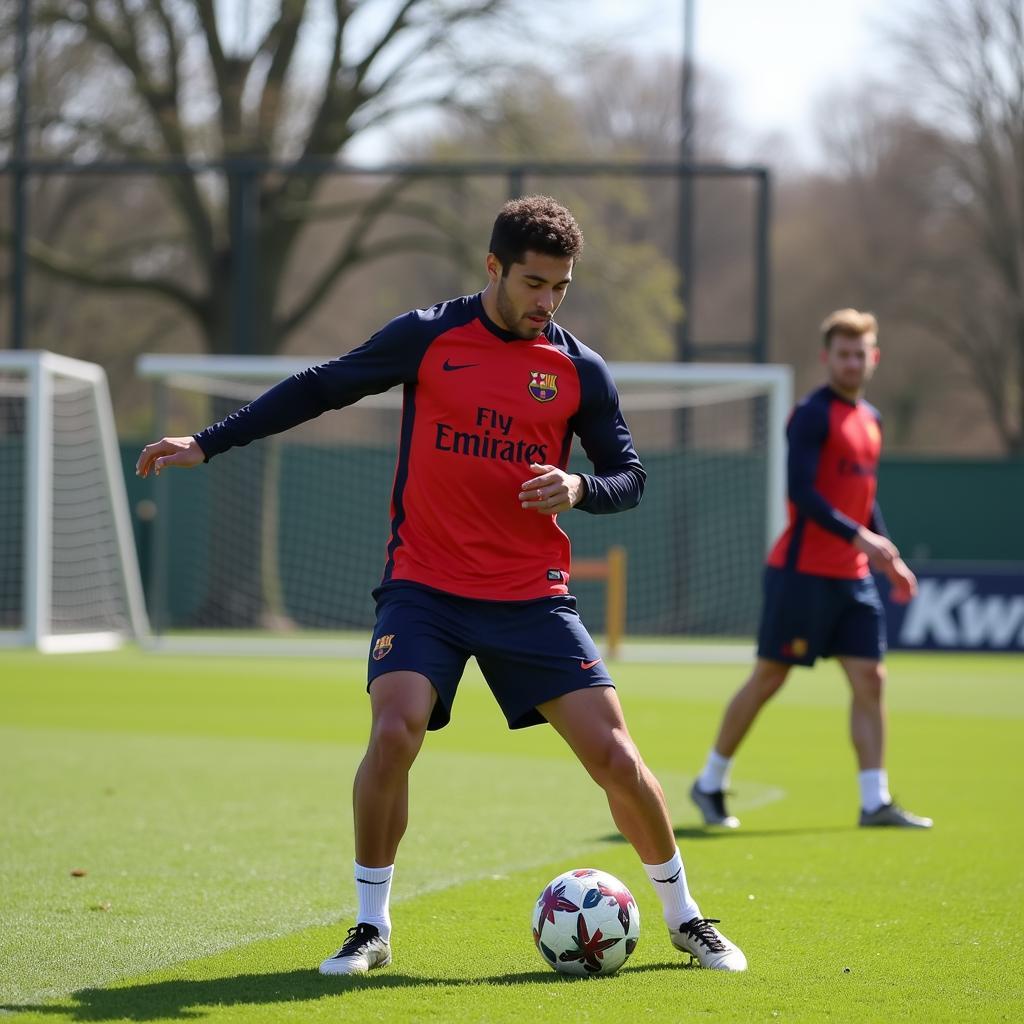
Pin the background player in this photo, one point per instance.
(476, 563)
(820, 599)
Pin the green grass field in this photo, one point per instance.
(207, 802)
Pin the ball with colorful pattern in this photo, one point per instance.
(585, 923)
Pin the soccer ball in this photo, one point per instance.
(586, 922)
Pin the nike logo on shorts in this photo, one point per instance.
(585, 665)
(457, 366)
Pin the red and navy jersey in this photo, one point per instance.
(480, 405)
(834, 447)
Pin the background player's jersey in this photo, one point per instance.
(834, 447)
(480, 405)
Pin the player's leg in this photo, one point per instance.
(867, 713)
(414, 670)
(542, 665)
(793, 623)
(859, 644)
(708, 790)
(401, 704)
(591, 722)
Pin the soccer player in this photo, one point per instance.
(476, 563)
(820, 599)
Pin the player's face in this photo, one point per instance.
(850, 360)
(526, 298)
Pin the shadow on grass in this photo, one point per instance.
(192, 1000)
(711, 832)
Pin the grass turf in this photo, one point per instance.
(206, 800)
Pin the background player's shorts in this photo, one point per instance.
(808, 617)
(528, 651)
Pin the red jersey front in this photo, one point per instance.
(480, 405)
(834, 448)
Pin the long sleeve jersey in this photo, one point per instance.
(832, 469)
(479, 406)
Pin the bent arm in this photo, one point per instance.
(617, 482)
(806, 435)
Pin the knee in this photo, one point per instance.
(616, 764)
(870, 683)
(396, 737)
(766, 680)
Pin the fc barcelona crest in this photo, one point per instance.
(383, 646)
(543, 386)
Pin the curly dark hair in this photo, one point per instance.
(534, 224)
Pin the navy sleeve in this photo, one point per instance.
(392, 356)
(876, 523)
(806, 433)
(618, 480)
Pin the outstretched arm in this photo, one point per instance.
(390, 357)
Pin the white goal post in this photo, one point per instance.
(289, 533)
(69, 576)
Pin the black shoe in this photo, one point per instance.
(363, 950)
(712, 807)
(893, 816)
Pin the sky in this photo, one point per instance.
(778, 57)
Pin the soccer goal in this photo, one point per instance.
(286, 537)
(69, 578)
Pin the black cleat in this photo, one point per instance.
(712, 807)
(893, 816)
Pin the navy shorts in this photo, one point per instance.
(528, 651)
(808, 617)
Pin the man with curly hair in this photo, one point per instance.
(477, 566)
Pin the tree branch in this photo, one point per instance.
(280, 41)
(67, 269)
(162, 105)
(349, 258)
(347, 253)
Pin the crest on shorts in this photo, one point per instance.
(797, 648)
(383, 646)
(543, 386)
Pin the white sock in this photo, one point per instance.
(373, 889)
(669, 881)
(715, 774)
(874, 788)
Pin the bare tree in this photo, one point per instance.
(169, 79)
(966, 65)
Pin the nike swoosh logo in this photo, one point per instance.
(589, 664)
(457, 366)
(669, 881)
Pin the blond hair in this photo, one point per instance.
(848, 321)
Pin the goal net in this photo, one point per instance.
(286, 537)
(69, 578)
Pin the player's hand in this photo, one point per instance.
(880, 550)
(902, 581)
(169, 451)
(551, 490)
